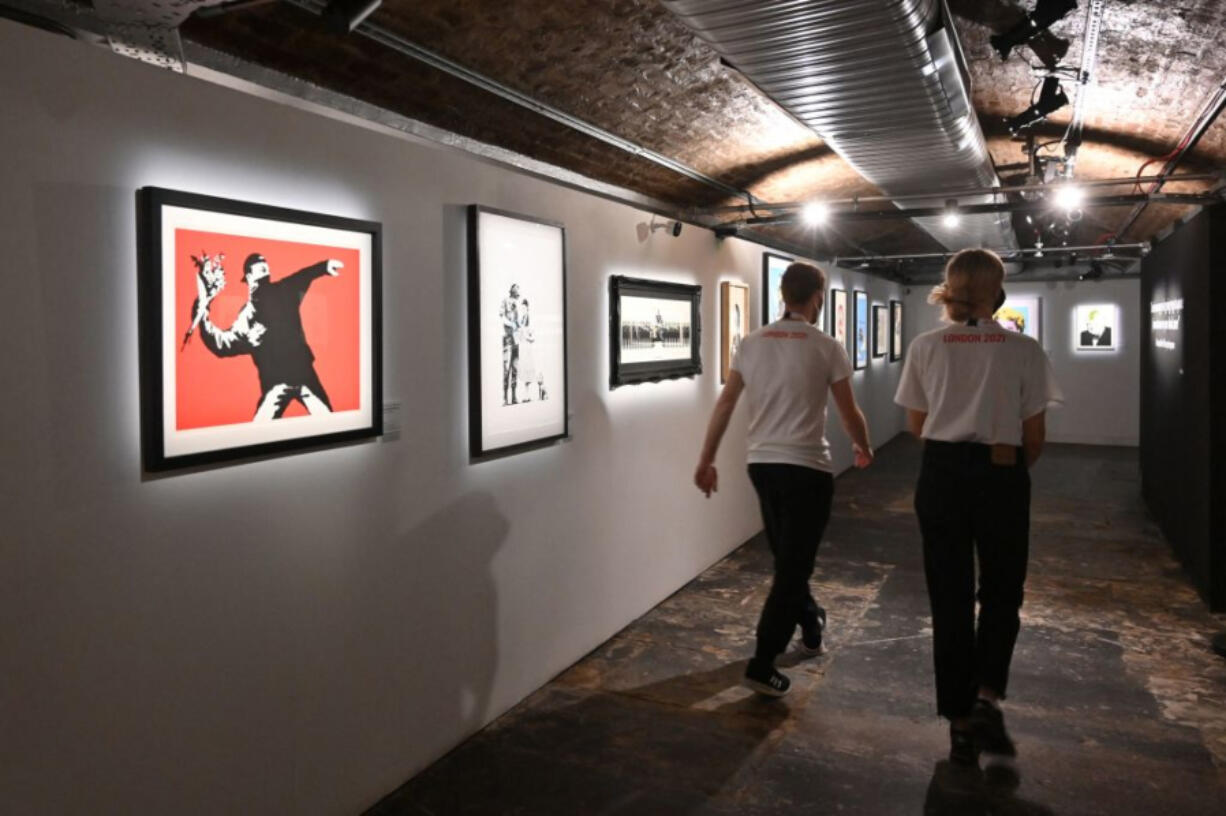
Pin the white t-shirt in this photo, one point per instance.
(788, 367)
(976, 383)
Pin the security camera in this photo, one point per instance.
(673, 227)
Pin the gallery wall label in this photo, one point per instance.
(260, 328)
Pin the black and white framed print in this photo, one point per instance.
(838, 315)
(260, 328)
(861, 329)
(773, 267)
(517, 387)
(881, 331)
(895, 330)
(654, 330)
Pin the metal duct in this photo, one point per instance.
(883, 82)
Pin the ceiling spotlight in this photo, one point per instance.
(343, 16)
(1069, 197)
(815, 213)
(952, 217)
(1045, 13)
(1051, 99)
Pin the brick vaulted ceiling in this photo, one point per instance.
(632, 68)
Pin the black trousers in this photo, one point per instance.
(795, 505)
(966, 506)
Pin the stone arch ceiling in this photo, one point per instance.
(632, 68)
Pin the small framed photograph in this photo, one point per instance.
(260, 329)
(773, 267)
(881, 331)
(1096, 327)
(654, 330)
(895, 330)
(1023, 314)
(838, 315)
(517, 386)
(733, 323)
(862, 329)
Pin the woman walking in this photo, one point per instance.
(977, 395)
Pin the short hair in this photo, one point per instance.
(973, 278)
(800, 282)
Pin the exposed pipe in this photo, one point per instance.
(402, 46)
(1104, 251)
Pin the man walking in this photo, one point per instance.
(788, 368)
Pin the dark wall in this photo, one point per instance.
(1183, 449)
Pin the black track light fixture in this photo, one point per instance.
(1045, 13)
(343, 16)
(1051, 99)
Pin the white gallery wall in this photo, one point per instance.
(301, 634)
(1101, 388)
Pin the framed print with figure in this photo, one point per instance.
(260, 328)
(860, 359)
(895, 330)
(1096, 327)
(517, 379)
(773, 267)
(654, 331)
(881, 331)
(838, 315)
(1022, 314)
(733, 323)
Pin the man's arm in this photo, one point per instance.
(915, 422)
(303, 278)
(1034, 434)
(853, 421)
(705, 475)
(240, 338)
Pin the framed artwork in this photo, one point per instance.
(517, 386)
(733, 323)
(1023, 315)
(773, 267)
(260, 329)
(654, 330)
(1096, 327)
(862, 329)
(838, 315)
(895, 330)
(881, 331)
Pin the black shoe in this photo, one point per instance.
(962, 748)
(999, 752)
(811, 636)
(765, 679)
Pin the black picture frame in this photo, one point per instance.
(161, 290)
(479, 268)
(896, 329)
(860, 310)
(769, 286)
(631, 373)
(880, 322)
(839, 297)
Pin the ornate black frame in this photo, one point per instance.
(633, 373)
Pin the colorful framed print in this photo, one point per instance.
(1096, 327)
(517, 374)
(838, 315)
(862, 329)
(881, 331)
(773, 267)
(895, 330)
(654, 331)
(1022, 314)
(733, 323)
(260, 329)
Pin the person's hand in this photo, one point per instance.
(334, 267)
(864, 458)
(707, 479)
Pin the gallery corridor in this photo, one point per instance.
(1118, 703)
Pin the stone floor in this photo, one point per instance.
(1117, 702)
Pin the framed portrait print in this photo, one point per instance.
(881, 331)
(862, 329)
(1023, 315)
(773, 267)
(260, 328)
(838, 315)
(654, 330)
(1096, 327)
(895, 330)
(733, 323)
(517, 385)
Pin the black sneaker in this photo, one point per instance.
(765, 679)
(999, 752)
(962, 748)
(811, 636)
